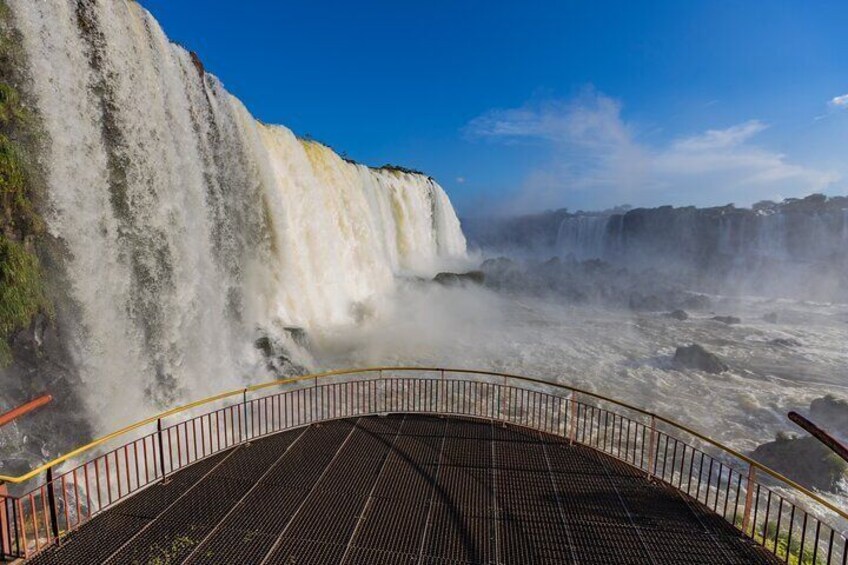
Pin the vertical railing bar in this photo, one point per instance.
(572, 434)
(48, 526)
(78, 497)
(756, 510)
(727, 492)
(682, 472)
(830, 547)
(97, 483)
(65, 501)
(135, 460)
(816, 542)
(162, 474)
(789, 537)
(179, 447)
(146, 460)
(652, 446)
(700, 474)
(738, 493)
(765, 520)
(749, 496)
(803, 536)
(20, 523)
(194, 436)
(779, 520)
(718, 486)
(34, 522)
(188, 441)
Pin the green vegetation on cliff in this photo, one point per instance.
(22, 294)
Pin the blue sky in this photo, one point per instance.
(524, 106)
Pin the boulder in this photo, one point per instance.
(831, 413)
(678, 315)
(785, 342)
(298, 335)
(729, 320)
(278, 360)
(696, 357)
(458, 279)
(803, 459)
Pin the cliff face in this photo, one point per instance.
(770, 247)
(152, 231)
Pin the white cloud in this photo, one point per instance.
(840, 101)
(597, 159)
(460, 180)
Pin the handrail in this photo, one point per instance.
(342, 372)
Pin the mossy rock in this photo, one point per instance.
(21, 291)
(803, 459)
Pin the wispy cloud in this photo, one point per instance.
(597, 159)
(840, 101)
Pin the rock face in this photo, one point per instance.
(729, 320)
(803, 459)
(696, 357)
(278, 359)
(456, 279)
(767, 248)
(831, 413)
(678, 315)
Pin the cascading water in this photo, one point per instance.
(585, 237)
(189, 228)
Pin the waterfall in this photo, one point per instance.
(188, 227)
(585, 237)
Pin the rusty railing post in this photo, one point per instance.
(652, 447)
(51, 503)
(161, 451)
(749, 497)
(5, 529)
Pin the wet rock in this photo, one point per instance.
(678, 315)
(785, 342)
(278, 359)
(696, 357)
(831, 413)
(771, 317)
(458, 279)
(803, 459)
(729, 320)
(298, 335)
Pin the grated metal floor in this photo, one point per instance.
(407, 489)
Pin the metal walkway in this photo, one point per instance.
(407, 489)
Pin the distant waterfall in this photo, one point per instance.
(189, 227)
(702, 235)
(585, 237)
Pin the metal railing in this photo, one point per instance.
(793, 523)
